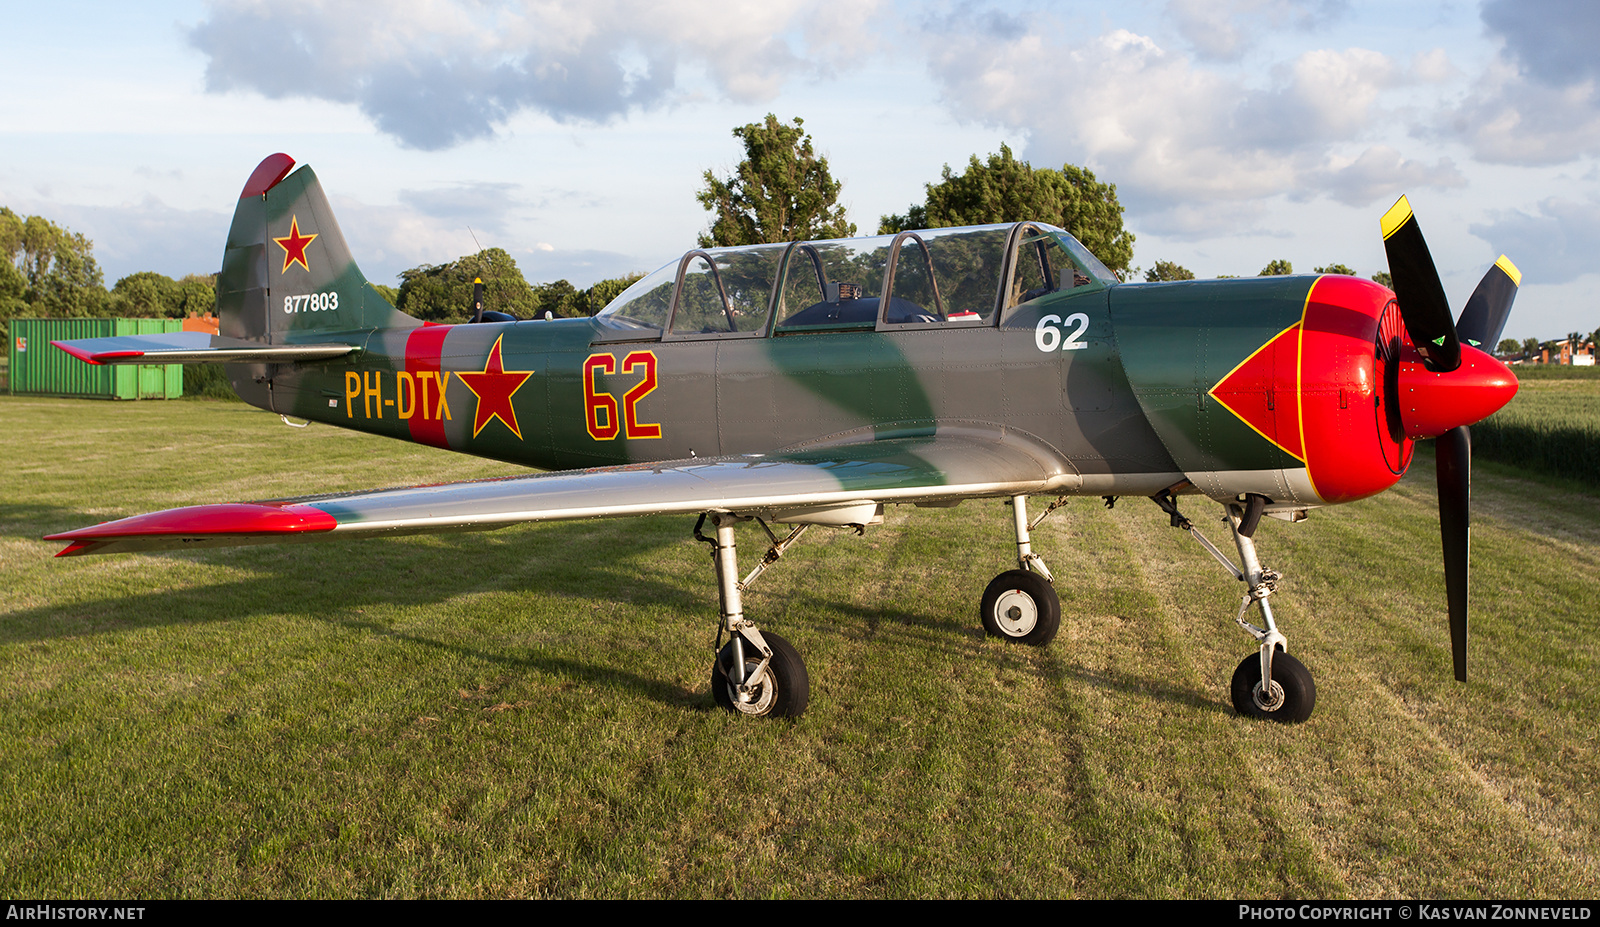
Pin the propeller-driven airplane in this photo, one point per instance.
(813, 383)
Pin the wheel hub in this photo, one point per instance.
(1268, 698)
(757, 701)
(1016, 613)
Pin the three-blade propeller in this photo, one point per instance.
(1426, 314)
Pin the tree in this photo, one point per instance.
(74, 286)
(197, 295)
(1276, 268)
(1003, 189)
(1336, 269)
(443, 292)
(781, 191)
(145, 295)
(1167, 270)
(50, 270)
(1508, 346)
(13, 293)
(605, 291)
(563, 300)
(1382, 277)
(1530, 348)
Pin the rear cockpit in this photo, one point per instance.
(969, 277)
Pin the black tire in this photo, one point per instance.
(1021, 606)
(783, 694)
(1299, 691)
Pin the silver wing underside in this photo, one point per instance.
(824, 483)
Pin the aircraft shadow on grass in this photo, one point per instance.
(280, 583)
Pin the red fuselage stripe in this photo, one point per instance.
(424, 346)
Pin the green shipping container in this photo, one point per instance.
(38, 368)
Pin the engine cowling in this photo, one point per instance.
(1306, 390)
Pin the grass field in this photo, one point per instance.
(1552, 425)
(526, 712)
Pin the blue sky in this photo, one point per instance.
(575, 135)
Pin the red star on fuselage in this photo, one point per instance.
(494, 388)
(294, 245)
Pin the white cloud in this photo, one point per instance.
(1433, 66)
(1380, 173)
(1539, 101)
(1553, 40)
(1223, 30)
(486, 206)
(1554, 244)
(436, 73)
(1170, 131)
(1509, 119)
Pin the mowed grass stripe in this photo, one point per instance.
(525, 712)
(1236, 837)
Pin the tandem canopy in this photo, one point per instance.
(970, 276)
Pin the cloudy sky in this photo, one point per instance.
(574, 135)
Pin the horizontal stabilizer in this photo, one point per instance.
(194, 348)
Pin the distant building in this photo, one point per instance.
(1562, 352)
(207, 323)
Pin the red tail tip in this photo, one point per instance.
(273, 168)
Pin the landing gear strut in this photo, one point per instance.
(1021, 605)
(754, 674)
(1289, 694)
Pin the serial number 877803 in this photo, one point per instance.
(311, 302)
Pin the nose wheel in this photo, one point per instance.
(1288, 694)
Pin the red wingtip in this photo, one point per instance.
(240, 518)
(95, 359)
(79, 353)
(76, 548)
(273, 168)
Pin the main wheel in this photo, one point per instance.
(1288, 700)
(1022, 607)
(783, 694)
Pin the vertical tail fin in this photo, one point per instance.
(287, 274)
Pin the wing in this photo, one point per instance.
(827, 483)
(193, 348)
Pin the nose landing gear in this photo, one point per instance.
(1288, 694)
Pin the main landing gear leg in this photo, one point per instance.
(754, 673)
(1289, 695)
(1021, 605)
